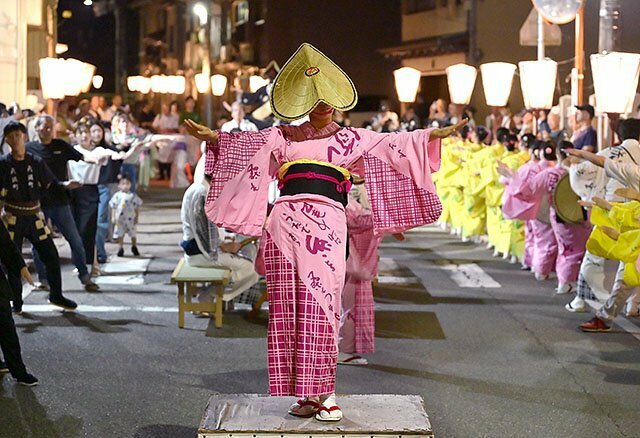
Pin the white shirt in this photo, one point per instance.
(244, 125)
(87, 173)
(589, 180)
(162, 121)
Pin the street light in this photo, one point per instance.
(497, 79)
(218, 84)
(538, 82)
(615, 79)
(558, 12)
(407, 81)
(200, 10)
(461, 79)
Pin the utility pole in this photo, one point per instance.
(119, 12)
(609, 40)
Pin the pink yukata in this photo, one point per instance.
(357, 324)
(518, 202)
(306, 234)
(571, 239)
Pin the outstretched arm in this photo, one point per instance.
(200, 132)
(598, 160)
(449, 130)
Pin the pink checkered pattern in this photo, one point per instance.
(231, 156)
(302, 349)
(396, 201)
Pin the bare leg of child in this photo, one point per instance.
(134, 248)
(121, 246)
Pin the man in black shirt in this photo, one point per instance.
(56, 153)
(9, 342)
(24, 181)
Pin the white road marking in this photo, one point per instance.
(42, 308)
(389, 279)
(470, 275)
(120, 280)
(119, 265)
(387, 264)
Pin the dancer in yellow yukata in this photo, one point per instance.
(474, 212)
(450, 182)
(510, 234)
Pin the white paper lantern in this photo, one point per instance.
(52, 74)
(73, 77)
(97, 82)
(158, 84)
(203, 82)
(176, 84)
(538, 82)
(407, 82)
(257, 82)
(218, 84)
(615, 79)
(461, 79)
(86, 76)
(497, 79)
(144, 85)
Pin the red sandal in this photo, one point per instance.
(295, 409)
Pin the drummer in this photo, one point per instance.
(571, 238)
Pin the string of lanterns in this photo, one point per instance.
(615, 77)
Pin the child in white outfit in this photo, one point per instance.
(125, 206)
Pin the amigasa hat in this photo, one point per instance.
(307, 78)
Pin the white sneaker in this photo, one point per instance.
(513, 260)
(496, 253)
(578, 305)
(565, 288)
(464, 239)
(631, 313)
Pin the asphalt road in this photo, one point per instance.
(500, 359)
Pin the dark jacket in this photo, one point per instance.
(11, 260)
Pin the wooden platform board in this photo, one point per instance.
(365, 416)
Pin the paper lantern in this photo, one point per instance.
(615, 79)
(538, 82)
(176, 84)
(407, 82)
(86, 76)
(158, 84)
(218, 84)
(461, 79)
(257, 82)
(497, 79)
(203, 82)
(52, 74)
(97, 82)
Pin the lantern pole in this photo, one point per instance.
(579, 57)
(541, 53)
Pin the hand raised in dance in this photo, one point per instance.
(200, 132)
(449, 130)
(605, 205)
(628, 193)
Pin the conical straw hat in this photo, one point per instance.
(309, 77)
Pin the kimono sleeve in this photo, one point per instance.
(241, 166)
(626, 173)
(398, 169)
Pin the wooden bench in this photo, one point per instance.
(190, 281)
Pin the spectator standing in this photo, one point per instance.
(238, 123)
(584, 136)
(116, 106)
(146, 116)
(12, 260)
(107, 181)
(166, 122)
(56, 154)
(410, 121)
(190, 111)
(125, 206)
(24, 182)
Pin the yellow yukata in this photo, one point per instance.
(622, 217)
(510, 233)
(475, 211)
(492, 190)
(447, 181)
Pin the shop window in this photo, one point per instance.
(240, 12)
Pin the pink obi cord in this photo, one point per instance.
(341, 186)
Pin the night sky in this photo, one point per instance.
(90, 38)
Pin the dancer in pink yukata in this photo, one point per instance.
(571, 238)
(306, 231)
(541, 248)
